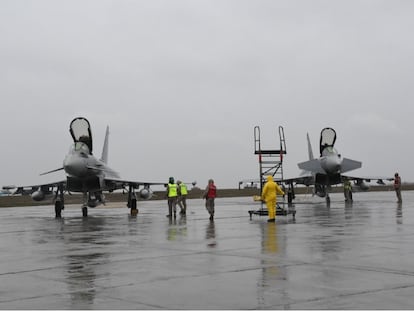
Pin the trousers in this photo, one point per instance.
(271, 208)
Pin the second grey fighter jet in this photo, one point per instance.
(329, 168)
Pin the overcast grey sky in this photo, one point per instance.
(182, 84)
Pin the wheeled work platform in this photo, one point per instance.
(280, 211)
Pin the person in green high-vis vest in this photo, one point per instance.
(182, 196)
(172, 194)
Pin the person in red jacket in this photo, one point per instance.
(397, 187)
(210, 194)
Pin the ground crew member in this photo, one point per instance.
(171, 197)
(182, 196)
(269, 196)
(397, 187)
(210, 194)
(347, 190)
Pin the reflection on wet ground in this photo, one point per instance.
(347, 256)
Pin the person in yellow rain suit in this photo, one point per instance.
(270, 190)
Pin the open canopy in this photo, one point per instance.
(81, 132)
(328, 138)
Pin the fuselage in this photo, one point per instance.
(84, 171)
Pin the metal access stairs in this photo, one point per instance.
(271, 163)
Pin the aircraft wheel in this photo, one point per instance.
(58, 209)
(133, 205)
(84, 211)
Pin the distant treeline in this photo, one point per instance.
(194, 193)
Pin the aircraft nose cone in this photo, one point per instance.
(74, 166)
(332, 165)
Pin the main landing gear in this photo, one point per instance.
(132, 201)
(58, 208)
(328, 200)
(59, 201)
(85, 211)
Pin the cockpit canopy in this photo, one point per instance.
(328, 138)
(81, 132)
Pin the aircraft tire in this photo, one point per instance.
(134, 210)
(58, 209)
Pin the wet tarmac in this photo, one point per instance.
(358, 256)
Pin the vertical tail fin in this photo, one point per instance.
(311, 165)
(104, 157)
(310, 152)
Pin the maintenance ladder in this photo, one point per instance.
(270, 160)
(270, 163)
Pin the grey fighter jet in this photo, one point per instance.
(89, 175)
(329, 168)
